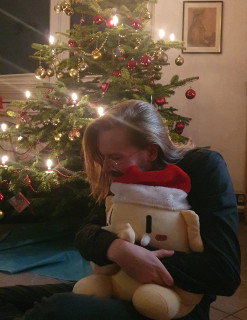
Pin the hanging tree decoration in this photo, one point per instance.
(190, 94)
(66, 8)
(145, 60)
(136, 24)
(96, 54)
(112, 22)
(157, 67)
(40, 72)
(160, 101)
(132, 64)
(161, 56)
(57, 8)
(104, 86)
(50, 72)
(179, 127)
(116, 73)
(179, 60)
(146, 12)
(74, 133)
(97, 19)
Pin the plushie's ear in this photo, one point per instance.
(108, 203)
(193, 229)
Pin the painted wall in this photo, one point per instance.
(218, 112)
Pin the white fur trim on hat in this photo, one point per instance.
(154, 196)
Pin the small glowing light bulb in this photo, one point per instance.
(49, 164)
(114, 20)
(28, 94)
(4, 127)
(172, 37)
(19, 138)
(161, 33)
(4, 159)
(74, 97)
(100, 111)
(51, 40)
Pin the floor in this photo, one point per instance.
(227, 308)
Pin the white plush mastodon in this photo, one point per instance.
(150, 208)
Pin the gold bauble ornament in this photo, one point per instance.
(147, 14)
(64, 5)
(55, 121)
(179, 60)
(2, 214)
(161, 56)
(157, 67)
(96, 54)
(74, 133)
(157, 76)
(69, 11)
(82, 66)
(58, 137)
(50, 72)
(57, 8)
(40, 73)
(72, 73)
(59, 74)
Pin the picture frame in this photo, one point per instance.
(202, 26)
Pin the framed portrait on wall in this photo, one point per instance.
(202, 26)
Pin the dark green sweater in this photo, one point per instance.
(216, 271)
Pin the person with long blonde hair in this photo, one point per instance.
(133, 133)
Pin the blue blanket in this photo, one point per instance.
(42, 248)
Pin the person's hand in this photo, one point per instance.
(108, 269)
(139, 263)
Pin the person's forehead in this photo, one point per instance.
(112, 140)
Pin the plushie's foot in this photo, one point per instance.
(156, 302)
(96, 284)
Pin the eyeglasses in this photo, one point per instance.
(115, 165)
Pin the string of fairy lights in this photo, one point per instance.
(53, 70)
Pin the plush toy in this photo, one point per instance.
(149, 208)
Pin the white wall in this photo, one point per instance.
(218, 111)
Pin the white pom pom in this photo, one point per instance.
(145, 240)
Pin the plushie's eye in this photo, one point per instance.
(148, 224)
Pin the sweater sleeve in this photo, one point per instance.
(91, 240)
(217, 269)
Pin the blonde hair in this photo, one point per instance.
(144, 126)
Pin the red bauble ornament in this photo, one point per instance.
(1, 103)
(1, 197)
(179, 127)
(97, 19)
(132, 64)
(71, 43)
(104, 86)
(110, 23)
(160, 101)
(190, 94)
(116, 73)
(145, 60)
(136, 24)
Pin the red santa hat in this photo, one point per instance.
(165, 188)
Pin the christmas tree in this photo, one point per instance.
(109, 56)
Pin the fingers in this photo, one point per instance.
(162, 253)
(166, 278)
